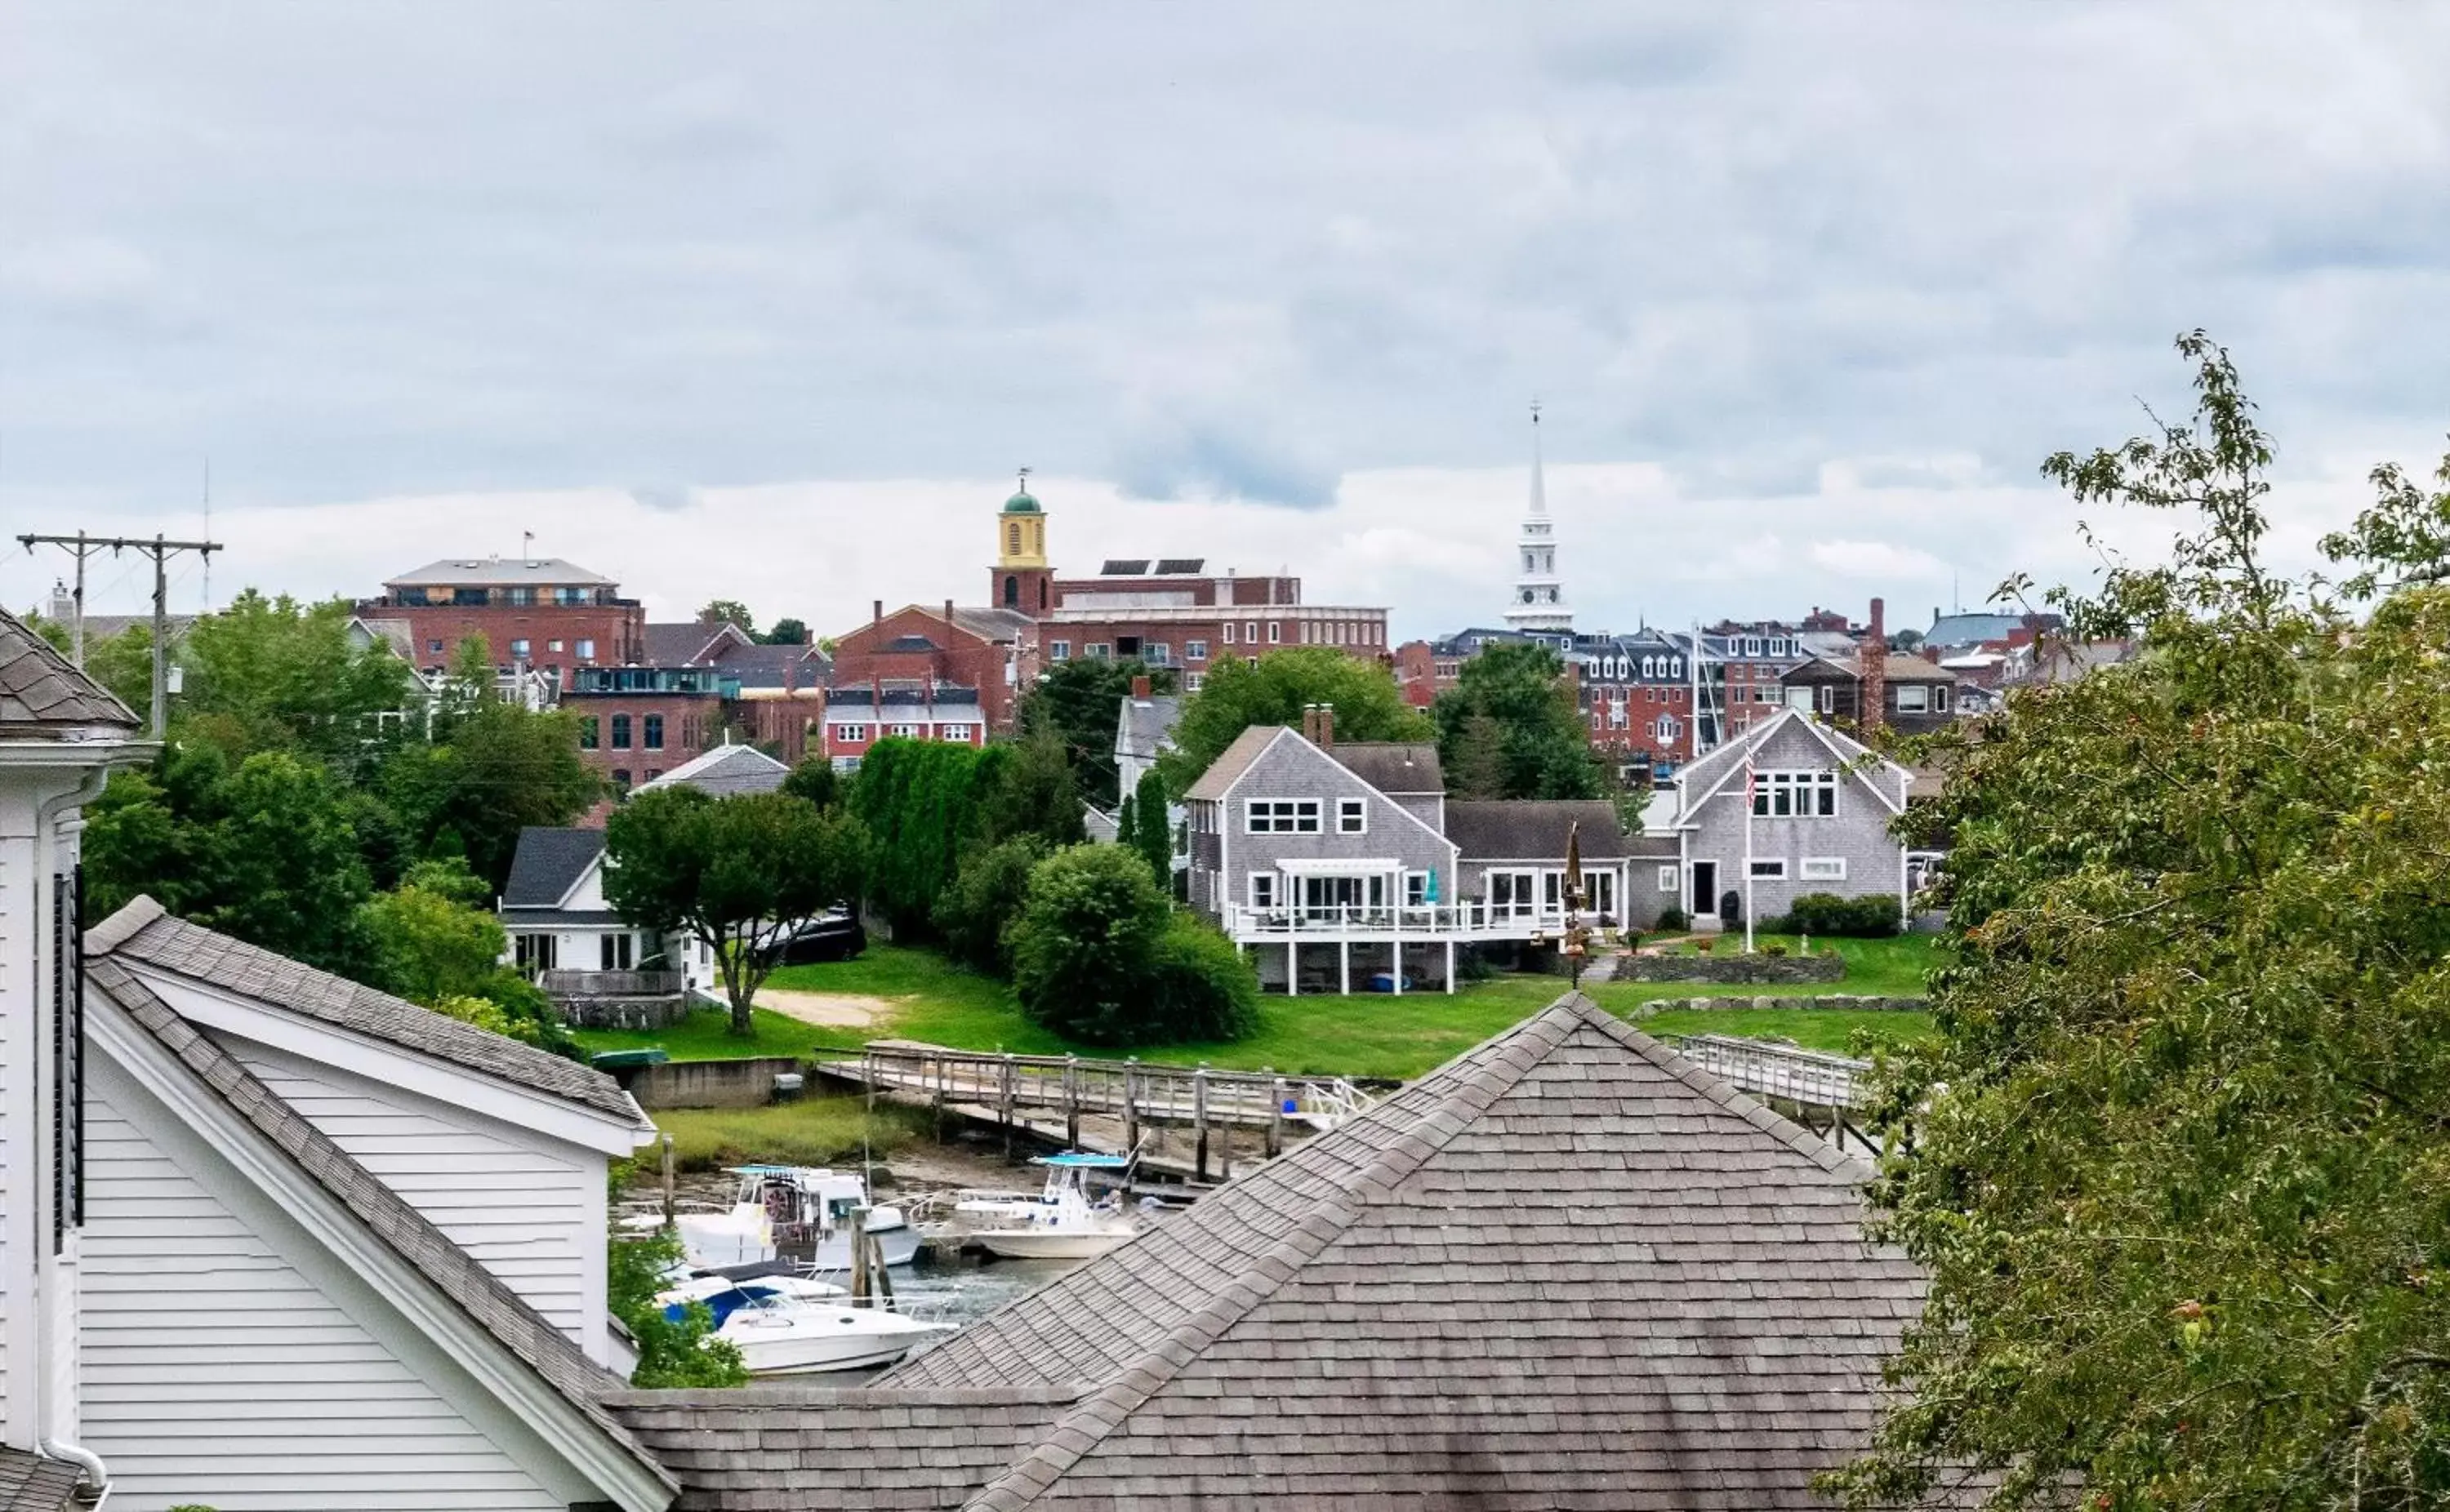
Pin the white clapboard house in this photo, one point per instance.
(269, 1239)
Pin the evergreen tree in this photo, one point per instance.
(1154, 838)
(1544, 749)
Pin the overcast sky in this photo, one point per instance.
(769, 300)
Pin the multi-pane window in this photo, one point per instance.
(1158, 654)
(1352, 816)
(534, 953)
(1772, 870)
(1191, 682)
(654, 732)
(1795, 794)
(1670, 878)
(553, 645)
(1282, 815)
(1416, 889)
(1263, 889)
(905, 732)
(957, 732)
(1275, 631)
(1059, 650)
(620, 732)
(1225, 633)
(587, 650)
(1098, 651)
(614, 952)
(1824, 868)
(1194, 650)
(621, 777)
(1913, 698)
(850, 732)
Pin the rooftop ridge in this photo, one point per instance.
(1080, 1430)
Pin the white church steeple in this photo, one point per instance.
(1539, 601)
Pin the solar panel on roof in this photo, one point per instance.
(1124, 566)
(1181, 566)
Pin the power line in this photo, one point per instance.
(81, 546)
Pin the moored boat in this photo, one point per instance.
(1065, 1223)
(782, 1329)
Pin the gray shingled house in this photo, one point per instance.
(1567, 1269)
(1815, 819)
(1332, 861)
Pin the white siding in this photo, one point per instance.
(16, 947)
(535, 1220)
(214, 1373)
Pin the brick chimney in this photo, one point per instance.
(1139, 688)
(948, 613)
(1326, 738)
(878, 614)
(1874, 712)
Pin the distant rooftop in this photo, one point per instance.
(494, 571)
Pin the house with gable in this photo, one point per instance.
(1339, 863)
(269, 1237)
(1786, 808)
(566, 935)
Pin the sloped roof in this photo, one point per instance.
(142, 932)
(548, 862)
(1227, 768)
(1392, 766)
(389, 1217)
(29, 1482)
(1145, 726)
(682, 642)
(725, 770)
(1568, 1269)
(857, 1448)
(994, 623)
(462, 571)
(1534, 829)
(42, 695)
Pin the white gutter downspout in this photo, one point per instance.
(93, 1477)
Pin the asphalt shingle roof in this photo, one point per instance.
(549, 859)
(1534, 829)
(724, 771)
(1392, 766)
(462, 571)
(1568, 1269)
(1227, 768)
(41, 694)
(142, 932)
(1145, 726)
(29, 1482)
(537, 1343)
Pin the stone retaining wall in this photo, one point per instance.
(1832, 1002)
(747, 1083)
(1782, 969)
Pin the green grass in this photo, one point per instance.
(817, 1132)
(1368, 1035)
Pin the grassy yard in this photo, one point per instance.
(818, 1132)
(1362, 1035)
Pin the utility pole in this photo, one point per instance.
(161, 551)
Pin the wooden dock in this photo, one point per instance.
(1814, 1087)
(1110, 1104)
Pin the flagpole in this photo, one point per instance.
(1751, 779)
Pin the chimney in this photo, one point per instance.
(1327, 726)
(948, 613)
(1875, 709)
(1140, 687)
(878, 612)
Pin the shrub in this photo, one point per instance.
(1870, 918)
(1775, 947)
(1199, 985)
(1672, 920)
(1084, 946)
(987, 895)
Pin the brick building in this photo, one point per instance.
(774, 696)
(637, 723)
(1634, 691)
(857, 718)
(990, 652)
(540, 614)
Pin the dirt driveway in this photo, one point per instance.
(834, 1010)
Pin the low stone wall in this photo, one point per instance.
(1734, 968)
(622, 1012)
(707, 1083)
(1832, 1002)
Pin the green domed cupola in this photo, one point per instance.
(1022, 502)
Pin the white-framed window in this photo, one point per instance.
(1194, 650)
(1913, 698)
(587, 650)
(1281, 816)
(1416, 889)
(1158, 654)
(519, 653)
(905, 732)
(1263, 889)
(1670, 878)
(1823, 868)
(1752, 645)
(1769, 870)
(1191, 682)
(1352, 816)
(1098, 651)
(958, 732)
(1225, 633)
(1275, 631)
(850, 732)
(553, 645)
(1059, 650)
(1795, 795)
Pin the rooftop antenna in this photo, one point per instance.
(527, 548)
(208, 533)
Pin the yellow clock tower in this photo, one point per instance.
(1021, 580)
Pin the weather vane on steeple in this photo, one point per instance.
(1024, 480)
(1535, 409)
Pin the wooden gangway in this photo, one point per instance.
(1785, 1071)
(1007, 1088)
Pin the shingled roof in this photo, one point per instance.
(144, 932)
(1568, 1269)
(453, 1272)
(29, 1482)
(1535, 829)
(548, 860)
(724, 771)
(40, 695)
(1392, 766)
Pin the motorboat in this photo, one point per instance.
(800, 1211)
(781, 1327)
(1066, 1223)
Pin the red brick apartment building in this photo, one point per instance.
(543, 613)
(993, 653)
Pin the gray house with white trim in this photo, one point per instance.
(1815, 820)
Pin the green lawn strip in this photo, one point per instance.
(706, 1034)
(1827, 1029)
(817, 1132)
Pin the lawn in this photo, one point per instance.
(1362, 1035)
(816, 1131)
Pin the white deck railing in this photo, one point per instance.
(1469, 920)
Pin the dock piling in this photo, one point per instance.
(1072, 1101)
(1275, 1115)
(1200, 1121)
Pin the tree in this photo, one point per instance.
(672, 1353)
(2178, 1151)
(1155, 837)
(1024, 788)
(1199, 984)
(427, 947)
(285, 675)
(787, 632)
(729, 612)
(1238, 694)
(1080, 703)
(914, 797)
(1542, 750)
(973, 915)
(500, 768)
(737, 875)
(815, 780)
(1085, 943)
